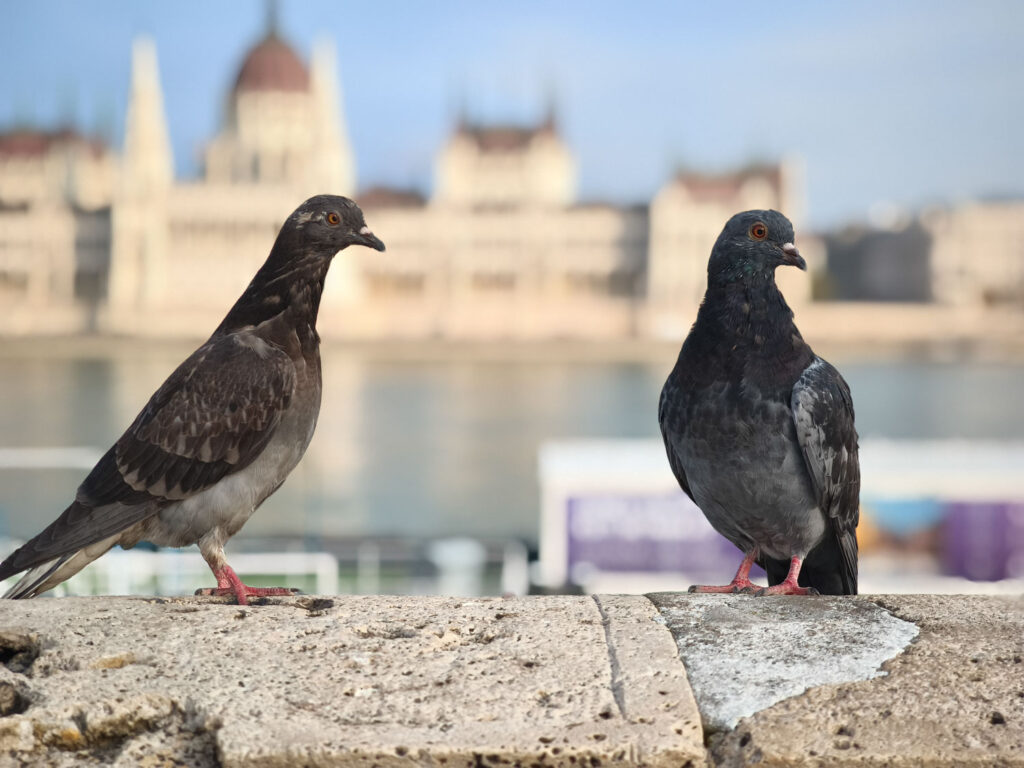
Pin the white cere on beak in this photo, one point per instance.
(789, 248)
(365, 230)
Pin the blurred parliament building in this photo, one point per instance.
(93, 240)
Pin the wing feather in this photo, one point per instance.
(664, 418)
(823, 413)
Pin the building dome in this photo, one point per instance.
(272, 66)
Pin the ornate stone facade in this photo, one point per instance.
(502, 248)
(55, 192)
(182, 252)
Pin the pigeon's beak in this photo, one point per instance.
(791, 255)
(365, 237)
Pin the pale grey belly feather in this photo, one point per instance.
(752, 485)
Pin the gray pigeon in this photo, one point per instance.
(758, 429)
(225, 429)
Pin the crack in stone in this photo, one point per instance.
(613, 658)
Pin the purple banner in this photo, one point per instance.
(652, 534)
(984, 541)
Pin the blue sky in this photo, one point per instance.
(905, 103)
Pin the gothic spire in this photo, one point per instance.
(273, 19)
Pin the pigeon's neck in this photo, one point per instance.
(283, 298)
(750, 313)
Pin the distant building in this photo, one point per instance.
(965, 255)
(55, 193)
(502, 248)
(870, 264)
(502, 167)
(977, 253)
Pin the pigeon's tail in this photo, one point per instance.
(831, 567)
(82, 533)
(48, 575)
(29, 585)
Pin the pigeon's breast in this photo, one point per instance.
(747, 473)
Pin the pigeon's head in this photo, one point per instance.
(329, 223)
(753, 243)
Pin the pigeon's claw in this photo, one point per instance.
(735, 587)
(785, 588)
(229, 585)
(790, 585)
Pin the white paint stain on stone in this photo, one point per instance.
(744, 654)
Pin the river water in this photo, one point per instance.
(435, 446)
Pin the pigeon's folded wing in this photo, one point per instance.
(213, 416)
(667, 393)
(823, 414)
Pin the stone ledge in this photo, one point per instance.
(349, 681)
(552, 681)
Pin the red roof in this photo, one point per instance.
(723, 187)
(272, 66)
(388, 197)
(501, 138)
(24, 142)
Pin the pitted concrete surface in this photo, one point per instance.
(744, 653)
(588, 682)
(343, 681)
(954, 698)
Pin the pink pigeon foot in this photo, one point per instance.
(229, 585)
(740, 583)
(789, 585)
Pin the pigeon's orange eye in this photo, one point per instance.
(333, 219)
(758, 231)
